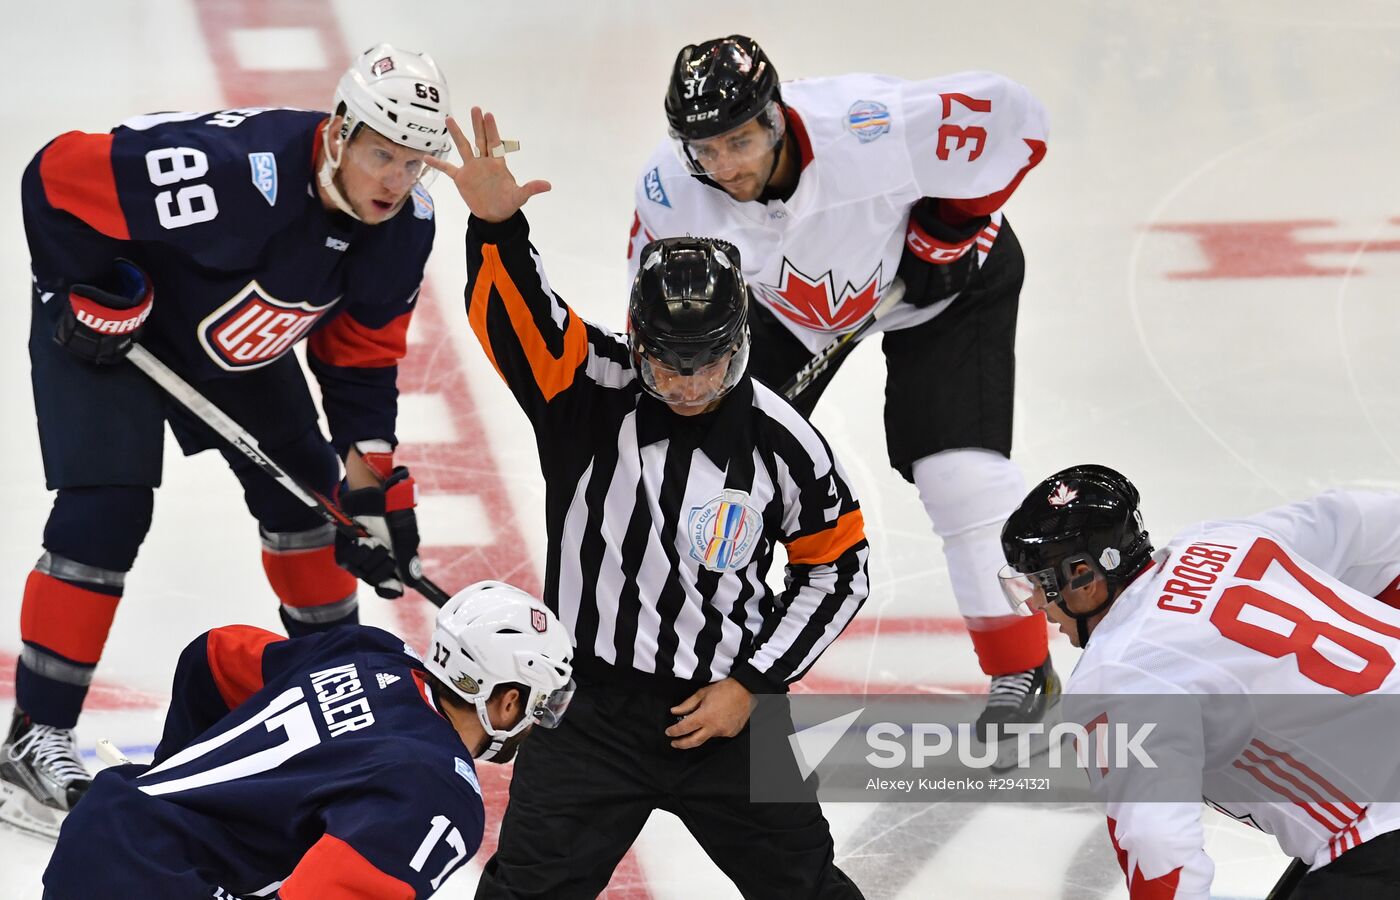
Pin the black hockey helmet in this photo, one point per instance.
(688, 310)
(717, 86)
(1086, 514)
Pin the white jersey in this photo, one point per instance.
(871, 146)
(1281, 603)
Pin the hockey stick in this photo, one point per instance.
(842, 345)
(1288, 881)
(239, 438)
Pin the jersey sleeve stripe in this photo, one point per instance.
(334, 870)
(828, 545)
(985, 206)
(78, 178)
(235, 654)
(345, 342)
(552, 375)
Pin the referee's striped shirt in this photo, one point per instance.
(661, 527)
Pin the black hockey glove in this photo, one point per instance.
(939, 259)
(387, 556)
(100, 322)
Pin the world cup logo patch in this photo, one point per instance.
(867, 120)
(723, 531)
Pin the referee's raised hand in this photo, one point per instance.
(483, 179)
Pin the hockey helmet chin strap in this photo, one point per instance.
(1116, 586)
(331, 164)
(500, 739)
(1081, 620)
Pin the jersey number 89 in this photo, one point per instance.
(191, 204)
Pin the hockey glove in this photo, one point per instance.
(387, 555)
(939, 259)
(101, 322)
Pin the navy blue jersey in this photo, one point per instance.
(317, 766)
(220, 209)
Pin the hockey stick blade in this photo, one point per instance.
(844, 344)
(238, 437)
(111, 754)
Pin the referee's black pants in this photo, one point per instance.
(581, 793)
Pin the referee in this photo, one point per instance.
(669, 476)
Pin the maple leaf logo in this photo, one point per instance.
(814, 303)
(1062, 495)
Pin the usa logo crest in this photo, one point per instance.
(538, 621)
(723, 531)
(254, 328)
(264, 166)
(655, 192)
(867, 120)
(382, 65)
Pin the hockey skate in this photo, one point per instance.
(41, 776)
(1014, 699)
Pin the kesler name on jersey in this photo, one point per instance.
(336, 689)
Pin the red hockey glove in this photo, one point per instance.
(101, 322)
(939, 259)
(387, 555)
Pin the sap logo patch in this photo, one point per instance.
(422, 202)
(655, 192)
(385, 679)
(868, 120)
(264, 166)
(468, 774)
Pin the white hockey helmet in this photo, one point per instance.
(399, 93)
(490, 634)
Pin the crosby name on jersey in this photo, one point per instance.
(1281, 604)
(871, 146)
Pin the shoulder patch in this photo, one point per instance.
(868, 120)
(264, 166)
(422, 202)
(655, 192)
(468, 774)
